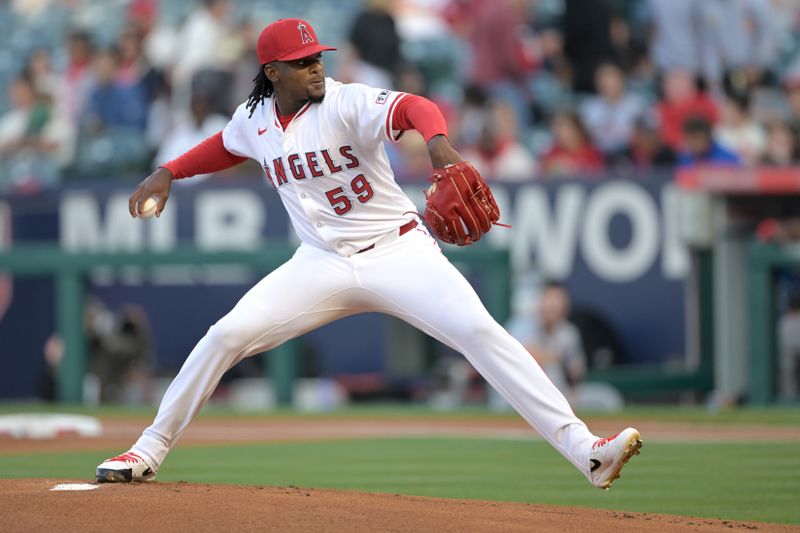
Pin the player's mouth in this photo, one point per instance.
(317, 84)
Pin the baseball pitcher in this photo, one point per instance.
(363, 249)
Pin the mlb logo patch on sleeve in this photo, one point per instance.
(381, 99)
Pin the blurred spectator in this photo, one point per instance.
(200, 45)
(19, 122)
(216, 84)
(787, 17)
(738, 36)
(199, 124)
(572, 152)
(700, 148)
(245, 67)
(554, 341)
(501, 60)
(791, 73)
(675, 29)
(587, 40)
(789, 351)
(611, 115)
(30, 9)
(373, 55)
(549, 45)
(123, 361)
(34, 140)
(628, 50)
(119, 346)
(410, 79)
(472, 114)
(793, 99)
(39, 69)
(76, 80)
(159, 41)
(712, 37)
(420, 20)
(647, 150)
(53, 351)
(781, 231)
(113, 105)
(549, 84)
(682, 99)
(159, 120)
(430, 44)
(134, 69)
(739, 133)
(499, 155)
(782, 149)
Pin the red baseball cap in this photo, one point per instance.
(287, 40)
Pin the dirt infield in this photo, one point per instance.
(30, 505)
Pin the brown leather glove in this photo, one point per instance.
(460, 207)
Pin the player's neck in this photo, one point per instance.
(288, 107)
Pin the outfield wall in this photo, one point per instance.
(614, 242)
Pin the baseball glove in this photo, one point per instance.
(460, 207)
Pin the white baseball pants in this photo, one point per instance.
(407, 277)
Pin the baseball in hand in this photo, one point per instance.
(148, 207)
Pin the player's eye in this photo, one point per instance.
(308, 61)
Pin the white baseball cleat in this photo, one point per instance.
(124, 469)
(609, 455)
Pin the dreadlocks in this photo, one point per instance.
(261, 91)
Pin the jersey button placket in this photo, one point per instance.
(306, 204)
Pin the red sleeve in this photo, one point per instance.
(208, 156)
(414, 112)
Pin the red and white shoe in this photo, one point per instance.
(609, 455)
(124, 469)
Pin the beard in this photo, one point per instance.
(316, 99)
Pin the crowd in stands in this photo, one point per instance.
(531, 89)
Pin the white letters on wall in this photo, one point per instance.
(550, 230)
(228, 219)
(636, 258)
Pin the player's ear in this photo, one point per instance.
(271, 72)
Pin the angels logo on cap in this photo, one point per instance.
(304, 35)
(287, 40)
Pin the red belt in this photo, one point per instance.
(405, 228)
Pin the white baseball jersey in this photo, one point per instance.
(329, 165)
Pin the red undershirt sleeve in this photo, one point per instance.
(418, 113)
(208, 156)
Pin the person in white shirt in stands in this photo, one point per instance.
(611, 116)
(554, 341)
(191, 129)
(739, 133)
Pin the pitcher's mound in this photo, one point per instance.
(30, 505)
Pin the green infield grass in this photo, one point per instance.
(733, 481)
(780, 416)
